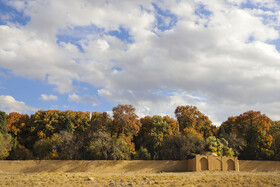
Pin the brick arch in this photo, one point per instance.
(230, 165)
(204, 164)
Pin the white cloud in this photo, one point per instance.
(46, 97)
(226, 57)
(9, 104)
(86, 99)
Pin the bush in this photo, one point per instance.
(143, 154)
(219, 146)
(182, 147)
(66, 146)
(3, 123)
(22, 153)
(99, 147)
(43, 149)
(6, 144)
(237, 144)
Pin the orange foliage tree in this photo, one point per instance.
(16, 122)
(253, 127)
(189, 117)
(125, 121)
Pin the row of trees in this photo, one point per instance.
(55, 134)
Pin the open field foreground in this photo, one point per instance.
(132, 173)
(142, 179)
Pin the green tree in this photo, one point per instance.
(143, 154)
(105, 147)
(182, 147)
(43, 149)
(237, 144)
(12, 155)
(275, 133)
(67, 125)
(3, 123)
(153, 132)
(6, 143)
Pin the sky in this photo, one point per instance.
(222, 56)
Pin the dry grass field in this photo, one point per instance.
(133, 173)
(142, 179)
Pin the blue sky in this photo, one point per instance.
(221, 56)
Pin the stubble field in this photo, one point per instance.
(133, 173)
(141, 179)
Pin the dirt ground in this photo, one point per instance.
(133, 173)
(142, 179)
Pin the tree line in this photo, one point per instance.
(75, 135)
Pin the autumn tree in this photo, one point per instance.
(101, 122)
(125, 121)
(173, 126)
(46, 123)
(254, 128)
(79, 119)
(154, 131)
(16, 123)
(18, 127)
(189, 117)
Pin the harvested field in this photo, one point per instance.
(142, 179)
(132, 173)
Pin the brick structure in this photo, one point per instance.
(213, 163)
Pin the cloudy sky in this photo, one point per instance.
(222, 56)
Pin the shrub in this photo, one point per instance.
(143, 154)
(6, 144)
(3, 123)
(219, 146)
(182, 147)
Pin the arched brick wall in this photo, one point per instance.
(230, 165)
(213, 163)
(203, 164)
